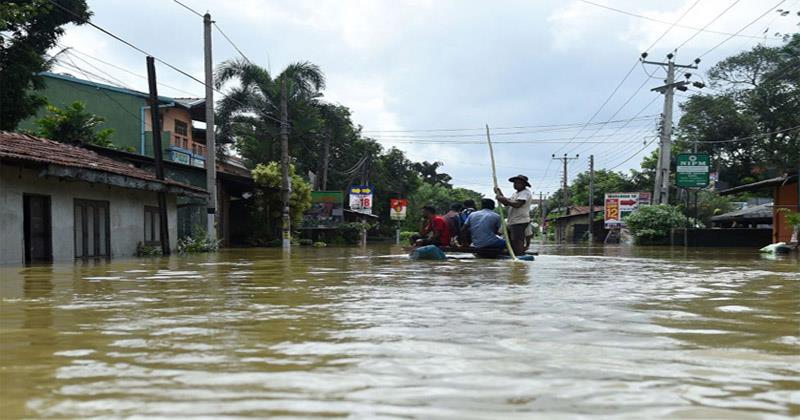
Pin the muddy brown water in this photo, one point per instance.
(600, 332)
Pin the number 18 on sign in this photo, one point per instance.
(692, 170)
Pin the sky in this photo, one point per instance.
(426, 76)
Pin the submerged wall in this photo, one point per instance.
(126, 213)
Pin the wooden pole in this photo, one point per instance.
(500, 207)
(156, 126)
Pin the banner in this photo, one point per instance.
(397, 208)
(361, 198)
(692, 170)
(326, 212)
(619, 205)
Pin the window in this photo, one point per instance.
(181, 128)
(92, 229)
(152, 224)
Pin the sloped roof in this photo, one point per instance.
(767, 183)
(23, 147)
(762, 211)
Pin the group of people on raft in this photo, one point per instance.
(464, 226)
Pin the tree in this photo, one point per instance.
(269, 175)
(437, 196)
(605, 181)
(429, 174)
(29, 29)
(73, 124)
(758, 92)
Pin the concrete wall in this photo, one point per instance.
(126, 211)
(785, 197)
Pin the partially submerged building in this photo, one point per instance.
(785, 195)
(61, 202)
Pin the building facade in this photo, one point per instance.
(60, 202)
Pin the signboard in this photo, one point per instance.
(397, 208)
(361, 198)
(692, 170)
(326, 212)
(645, 198)
(180, 157)
(200, 162)
(617, 206)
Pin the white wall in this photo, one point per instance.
(126, 210)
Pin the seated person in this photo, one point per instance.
(483, 226)
(453, 222)
(434, 230)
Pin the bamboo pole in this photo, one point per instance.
(503, 224)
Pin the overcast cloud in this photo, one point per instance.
(416, 65)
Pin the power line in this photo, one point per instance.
(173, 67)
(633, 155)
(625, 12)
(673, 24)
(227, 38)
(567, 125)
(507, 133)
(742, 28)
(707, 25)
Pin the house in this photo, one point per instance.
(753, 217)
(128, 113)
(61, 202)
(183, 142)
(573, 226)
(785, 195)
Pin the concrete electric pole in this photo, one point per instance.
(155, 121)
(661, 188)
(565, 179)
(211, 145)
(590, 222)
(286, 186)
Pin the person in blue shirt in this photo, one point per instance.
(483, 227)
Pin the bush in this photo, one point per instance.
(654, 223)
(406, 235)
(306, 242)
(143, 250)
(197, 242)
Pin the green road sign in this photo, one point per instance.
(692, 170)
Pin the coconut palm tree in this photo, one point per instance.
(261, 103)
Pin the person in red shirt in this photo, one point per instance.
(434, 230)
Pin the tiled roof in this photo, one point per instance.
(763, 211)
(17, 146)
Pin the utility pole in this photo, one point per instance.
(326, 156)
(661, 188)
(286, 187)
(565, 179)
(211, 145)
(590, 223)
(155, 119)
(542, 215)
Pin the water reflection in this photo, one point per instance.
(638, 332)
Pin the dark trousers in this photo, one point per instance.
(517, 235)
(425, 240)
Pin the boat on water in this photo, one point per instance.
(433, 252)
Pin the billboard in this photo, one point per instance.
(397, 208)
(617, 206)
(326, 212)
(361, 198)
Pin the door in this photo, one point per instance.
(37, 228)
(92, 236)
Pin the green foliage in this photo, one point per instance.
(406, 235)
(30, 28)
(143, 250)
(350, 233)
(72, 124)
(269, 175)
(604, 182)
(654, 223)
(758, 91)
(319, 244)
(428, 172)
(306, 242)
(438, 196)
(197, 242)
(792, 218)
(709, 204)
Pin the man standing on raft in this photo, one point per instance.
(519, 207)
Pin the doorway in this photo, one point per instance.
(38, 232)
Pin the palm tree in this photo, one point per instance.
(261, 102)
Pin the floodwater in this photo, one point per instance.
(615, 332)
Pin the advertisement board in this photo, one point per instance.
(326, 212)
(692, 170)
(617, 206)
(397, 208)
(361, 198)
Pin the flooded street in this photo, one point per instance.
(630, 332)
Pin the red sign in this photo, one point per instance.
(398, 208)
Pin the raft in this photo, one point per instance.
(429, 253)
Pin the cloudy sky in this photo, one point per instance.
(537, 72)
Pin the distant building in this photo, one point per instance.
(61, 202)
(784, 195)
(573, 227)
